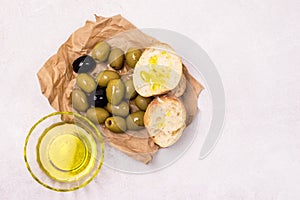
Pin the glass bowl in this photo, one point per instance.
(64, 151)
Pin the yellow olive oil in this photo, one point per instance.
(157, 75)
(66, 152)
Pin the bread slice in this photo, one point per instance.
(165, 119)
(179, 90)
(158, 70)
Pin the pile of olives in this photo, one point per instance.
(105, 99)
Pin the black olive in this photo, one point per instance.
(84, 64)
(100, 98)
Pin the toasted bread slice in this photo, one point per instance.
(165, 120)
(158, 70)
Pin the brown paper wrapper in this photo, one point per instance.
(57, 78)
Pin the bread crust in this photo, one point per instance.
(172, 121)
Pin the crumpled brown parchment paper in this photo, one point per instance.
(57, 78)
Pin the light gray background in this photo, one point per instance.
(255, 46)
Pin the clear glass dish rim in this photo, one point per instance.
(63, 113)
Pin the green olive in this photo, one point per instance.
(115, 91)
(101, 51)
(130, 92)
(132, 56)
(121, 110)
(116, 124)
(105, 76)
(116, 58)
(79, 100)
(142, 102)
(86, 82)
(135, 120)
(97, 115)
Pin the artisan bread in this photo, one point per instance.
(179, 90)
(158, 70)
(165, 119)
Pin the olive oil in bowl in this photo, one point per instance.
(66, 152)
